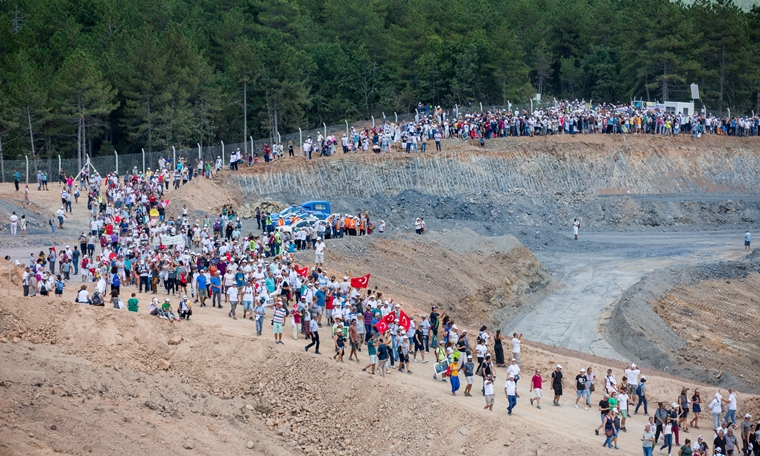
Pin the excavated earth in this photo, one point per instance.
(657, 277)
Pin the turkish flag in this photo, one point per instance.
(403, 320)
(303, 272)
(390, 318)
(381, 326)
(360, 282)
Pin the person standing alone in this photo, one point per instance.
(747, 239)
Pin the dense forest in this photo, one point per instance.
(105, 75)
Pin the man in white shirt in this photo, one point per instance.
(319, 252)
(14, 224)
(514, 371)
(632, 373)
(516, 341)
(510, 389)
(731, 413)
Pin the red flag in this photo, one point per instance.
(403, 320)
(390, 318)
(360, 282)
(381, 326)
(303, 272)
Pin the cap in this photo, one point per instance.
(345, 277)
(398, 305)
(469, 356)
(643, 377)
(559, 366)
(583, 370)
(614, 410)
(700, 437)
(454, 327)
(633, 366)
(747, 416)
(674, 405)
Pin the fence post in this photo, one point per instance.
(174, 157)
(279, 138)
(531, 106)
(2, 161)
(325, 127)
(346, 127)
(383, 117)
(116, 154)
(251, 138)
(373, 121)
(59, 163)
(394, 113)
(143, 158)
(300, 139)
(481, 106)
(200, 156)
(222, 153)
(26, 158)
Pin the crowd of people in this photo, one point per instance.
(133, 241)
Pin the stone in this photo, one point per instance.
(464, 431)
(188, 445)
(35, 339)
(249, 406)
(53, 427)
(249, 445)
(175, 340)
(163, 364)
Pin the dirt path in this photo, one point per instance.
(571, 316)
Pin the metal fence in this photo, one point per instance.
(29, 167)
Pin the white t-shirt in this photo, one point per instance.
(14, 218)
(510, 387)
(622, 401)
(515, 345)
(633, 376)
(488, 388)
(514, 369)
(732, 401)
(481, 349)
(320, 247)
(232, 293)
(83, 296)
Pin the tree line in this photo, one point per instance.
(97, 76)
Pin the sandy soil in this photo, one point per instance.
(152, 386)
(719, 319)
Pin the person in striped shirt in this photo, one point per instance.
(279, 317)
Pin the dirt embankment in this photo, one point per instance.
(476, 279)
(698, 322)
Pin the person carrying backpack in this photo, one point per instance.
(641, 392)
(59, 285)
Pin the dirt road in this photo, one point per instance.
(571, 316)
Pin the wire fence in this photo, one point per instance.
(120, 163)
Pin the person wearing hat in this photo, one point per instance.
(746, 431)
(469, 376)
(403, 352)
(580, 388)
(435, 317)
(558, 382)
(488, 391)
(185, 308)
(340, 342)
(641, 393)
(418, 339)
(510, 390)
(319, 252)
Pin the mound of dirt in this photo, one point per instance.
(202, 196)
(476, 279)
(694, 321)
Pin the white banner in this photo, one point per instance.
(169, 240)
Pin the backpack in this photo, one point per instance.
(96, 299)
(639, 389)
(59, 285)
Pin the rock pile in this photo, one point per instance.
(248, 210)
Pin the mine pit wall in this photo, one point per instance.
(638, 333)
(528, 167)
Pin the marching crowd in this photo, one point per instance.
(132, 240)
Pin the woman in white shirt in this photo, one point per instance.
(83, 296)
